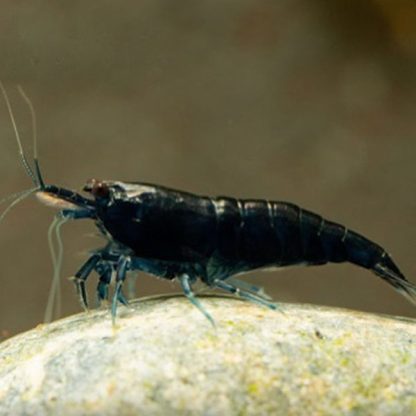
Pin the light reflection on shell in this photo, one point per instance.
(54, 201)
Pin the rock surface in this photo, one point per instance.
(164, 358)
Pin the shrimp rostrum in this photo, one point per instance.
(178, 235)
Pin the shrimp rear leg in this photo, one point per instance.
(242, 285)
(186, 281)
(244, 294)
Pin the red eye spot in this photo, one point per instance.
(98, 188)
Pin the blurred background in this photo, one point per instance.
(312, 102)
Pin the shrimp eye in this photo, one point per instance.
(100, 190)
(97, 188)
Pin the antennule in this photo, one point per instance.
(16, 132)
(35, 140)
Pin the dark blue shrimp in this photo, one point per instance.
(174, 234)
(179, 235)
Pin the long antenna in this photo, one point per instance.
(35, 139)
(19, 143)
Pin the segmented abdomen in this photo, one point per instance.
(281, 233)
